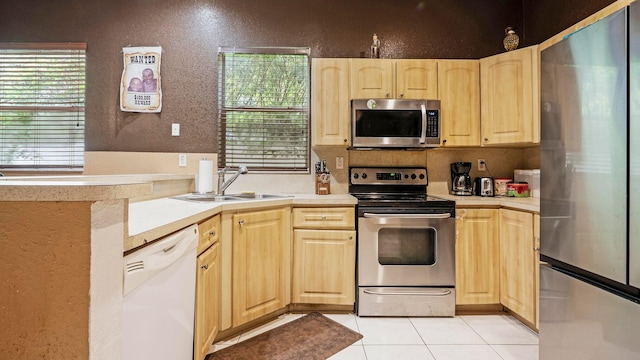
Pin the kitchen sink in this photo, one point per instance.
(230, 197)
(249, 196)
(207, 197)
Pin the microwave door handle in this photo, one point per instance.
(423, 135)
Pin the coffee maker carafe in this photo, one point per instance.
(460, 179)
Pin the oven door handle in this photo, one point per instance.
(423, 292)
(409, 216)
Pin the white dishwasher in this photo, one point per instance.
(159, 299)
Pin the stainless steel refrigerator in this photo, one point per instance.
(590, 192)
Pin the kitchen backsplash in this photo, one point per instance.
(500, 161)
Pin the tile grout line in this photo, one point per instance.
(423, 340)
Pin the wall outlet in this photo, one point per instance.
(339, 163)
(182, 160)
(175, 129)
(481, 165)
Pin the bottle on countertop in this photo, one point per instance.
(375, 48)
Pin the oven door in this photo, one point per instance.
(396, 249)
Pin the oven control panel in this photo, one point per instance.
(388, 176)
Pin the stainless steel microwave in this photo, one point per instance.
(395, 123)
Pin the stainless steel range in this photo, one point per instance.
(406, 244)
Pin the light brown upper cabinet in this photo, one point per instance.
(330, 102)
(459, 94)
(388, 78)
(509, 97)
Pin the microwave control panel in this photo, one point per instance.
(433, 123)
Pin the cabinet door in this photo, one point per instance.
(416, 79)
(477, 257)
(459, 94)
(207, 313)
(372, 78)
(261, 263)
(507, 96)
(517, 265)
(330, 101)
(324, 266)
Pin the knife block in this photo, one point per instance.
(322, 188)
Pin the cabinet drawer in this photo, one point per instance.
(324, 218)
(209, 233)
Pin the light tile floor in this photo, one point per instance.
(478, 337)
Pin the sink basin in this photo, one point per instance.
(249, 196)
(230, 197)
(207, 197)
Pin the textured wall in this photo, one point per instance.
(191, 31)
(545, 18)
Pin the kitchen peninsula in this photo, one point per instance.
(61, 250)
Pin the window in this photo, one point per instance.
(42, 105)
(263, 107)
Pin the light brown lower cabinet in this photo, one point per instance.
(261, 263)
(324, 266)
(518, 263)
(207, 301)
(207, 307)
(477, 257)
(324, 256)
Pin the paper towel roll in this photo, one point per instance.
(205, 176)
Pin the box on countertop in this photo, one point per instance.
(531, 177)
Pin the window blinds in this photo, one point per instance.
(263, 107)
(42, 97)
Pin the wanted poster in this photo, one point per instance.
(140, 85)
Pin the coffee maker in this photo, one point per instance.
(460, 179)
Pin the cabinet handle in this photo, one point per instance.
(205, 266)
(388, 95)
(401, 96)
(536, 248)
(212, 233)
(324, 218)
(486, 139)
(241, 222)
(444, 141)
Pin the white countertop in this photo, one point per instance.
(149, 220)
(80, 187)
(531, 204)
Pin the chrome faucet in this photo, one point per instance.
(223, 185)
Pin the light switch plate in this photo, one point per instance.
(339, 162)
(182, 160)
(175, 129)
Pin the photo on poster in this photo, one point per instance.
(140, 89)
